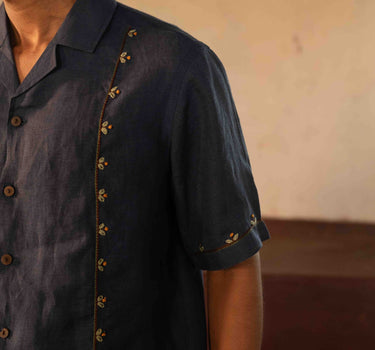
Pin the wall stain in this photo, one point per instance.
(297, 43)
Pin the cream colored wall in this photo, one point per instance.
(302, 75)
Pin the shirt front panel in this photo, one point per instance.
(100, 257)
(50, 225)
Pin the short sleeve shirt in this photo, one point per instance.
(123, 173)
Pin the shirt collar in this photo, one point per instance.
(82, 27)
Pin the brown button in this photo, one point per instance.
(9, 190)
(16, 120)
(6, 259)
(4, 333)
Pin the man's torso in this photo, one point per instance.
(91, 269)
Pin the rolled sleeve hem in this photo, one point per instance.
(232, 254)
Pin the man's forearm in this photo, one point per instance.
(235, 306)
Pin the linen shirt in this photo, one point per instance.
(124, 174)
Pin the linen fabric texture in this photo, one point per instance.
(130, 175)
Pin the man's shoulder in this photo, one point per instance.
(158, 30)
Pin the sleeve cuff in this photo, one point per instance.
(233, 253)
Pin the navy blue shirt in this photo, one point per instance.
(124, 174)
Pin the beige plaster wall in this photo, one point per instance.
(302, 74)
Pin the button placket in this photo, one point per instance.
(9, 190)
(16, 121)
(6, 259)
(4, 333)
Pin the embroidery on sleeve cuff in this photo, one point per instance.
(233, 238)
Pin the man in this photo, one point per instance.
(124, 175)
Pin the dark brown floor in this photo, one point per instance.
(318, 286)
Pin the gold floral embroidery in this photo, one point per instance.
(114, 91)
(233, 238)
(103, 229)
(132, 32)
(101, 263)
(102, 195)
(101, 300)
(253, 222)
(100, 334)
(105, 126)
(102, 163)
(124, 57)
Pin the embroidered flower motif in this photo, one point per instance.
(101, 263)
(103, 229)
(101, 300)
(102, 195)
(253, 222)
(105, 126)
(100, 334)
(102, 163)
(233, 238)
(124, 57)
(114, 91)
(132, 32)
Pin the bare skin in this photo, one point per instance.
(234, 306)
(34, 23)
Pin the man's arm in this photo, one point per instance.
(234, 306)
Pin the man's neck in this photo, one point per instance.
(35, 22)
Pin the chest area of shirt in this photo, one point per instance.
(109, 105)
(62, 131)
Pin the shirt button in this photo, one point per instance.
(6, 259)
(16, 120)
(9, 190)
(4, 333)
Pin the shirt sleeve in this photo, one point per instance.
(215, 197)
